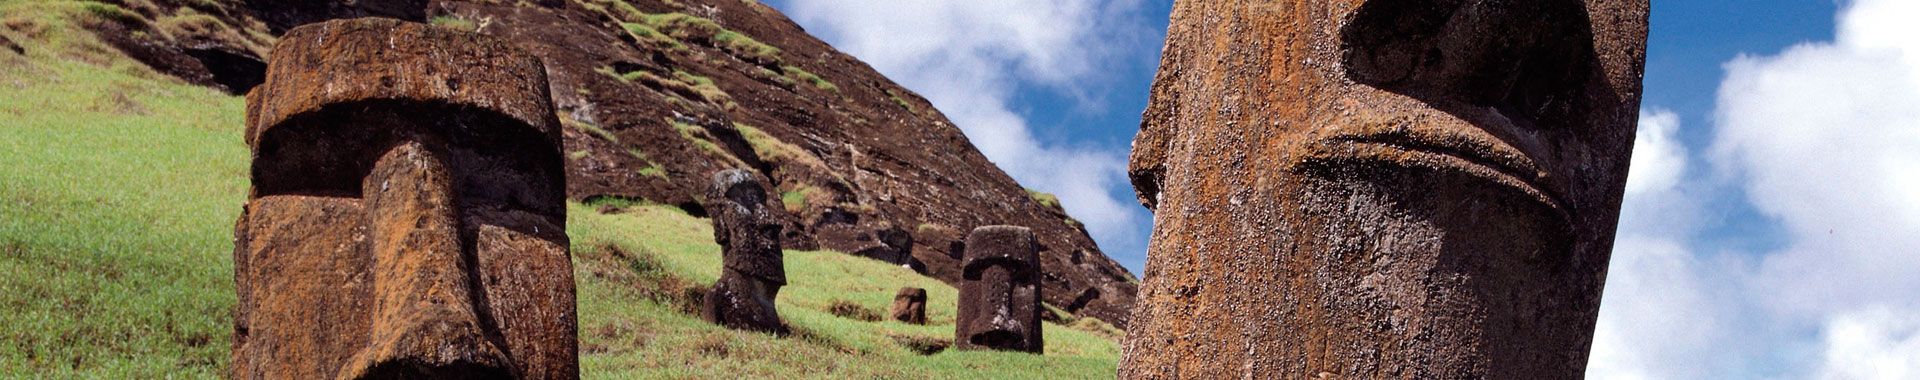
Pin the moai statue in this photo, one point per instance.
(751, 268)
(1000, 291)
(1383, 189)
(407, 217)
(910, 306)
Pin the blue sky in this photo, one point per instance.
(1772, 221)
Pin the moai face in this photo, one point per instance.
(910, 306)
(1420, 188)
(752, 264)
(407, 217)
(1000, 292)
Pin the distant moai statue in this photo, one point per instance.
(1000, 291)
(910, 306)
(752, 270)
(1383, 189)
(407, 217)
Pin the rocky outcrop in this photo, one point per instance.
(1000, 296)
(1383, 189)
(910, 306)
(752, 270)
(407, 217)
(656, 95)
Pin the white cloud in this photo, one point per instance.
(1872, 344)
(1823, 139)
(1658, 157)
(971, 58)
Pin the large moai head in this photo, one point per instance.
(752, 266)
(407, 217)
(1000, 291)
(1372, 188)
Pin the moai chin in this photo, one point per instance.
(1383, 189)
(752, 270)
(910, 306)
(1000, 291)
(407, 217)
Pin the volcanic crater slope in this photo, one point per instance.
(655, 95)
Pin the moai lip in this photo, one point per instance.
(910, 306)
(1383, 189)
(999, 291)
(407, 217)
(752, 270)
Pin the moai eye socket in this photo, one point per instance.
(1525, 58)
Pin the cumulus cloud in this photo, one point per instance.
(1824, 140)
(973, 59)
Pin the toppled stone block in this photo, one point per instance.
(1383, 189)
(407, 217)
(910, 306)
(752, 270)
(1000, 291)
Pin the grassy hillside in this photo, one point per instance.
(119, 188)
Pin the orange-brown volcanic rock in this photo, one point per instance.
(407, 217)
(1383, 189)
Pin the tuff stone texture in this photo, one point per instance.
(1383, 189)
(407, 217)
(1000, 297)
(910, 306)
(752, 269)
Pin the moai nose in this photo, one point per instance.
(423, 293)
(1002, 325)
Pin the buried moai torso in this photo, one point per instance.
(910, 306)
(751, 268)
(407, 216)
(999, 291)
(1383, 189)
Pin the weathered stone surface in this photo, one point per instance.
(910, 306)
(752, 270)
(1000, 294)
(407, 218)
(1383, 189)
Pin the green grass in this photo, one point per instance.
(902, 102)
(648, 338)
(117, 203)
(1044, 198)
(455, 23)
(118, 198)
(803, 75)
(680, 26)
(647, 34)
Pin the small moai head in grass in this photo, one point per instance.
(752, 268)
(1000, 291)
(910, 306)
(407, 217)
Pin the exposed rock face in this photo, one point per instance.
(1383, 189)
(752, 270)
(910, 306)
(653, 102)
(1000, 298)
(407, 217)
